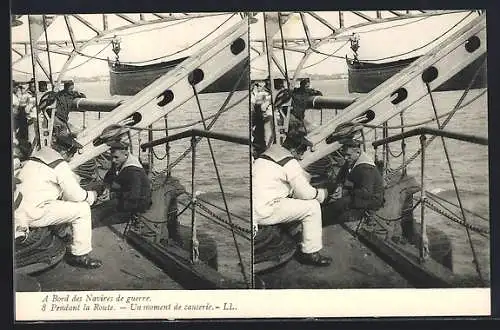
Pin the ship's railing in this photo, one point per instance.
(432, 131)
(193, 134)
(422, 132)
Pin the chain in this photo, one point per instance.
(455, 219)
(232, 225)
(241, 231)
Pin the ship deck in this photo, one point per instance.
(123, 267)
(353, 266)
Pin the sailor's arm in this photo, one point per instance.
(302, 189)
(70, 187)
(110, 179)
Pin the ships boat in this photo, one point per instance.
(371, 65)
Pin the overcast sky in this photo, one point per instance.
(157, 40)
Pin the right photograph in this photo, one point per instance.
(370, 149)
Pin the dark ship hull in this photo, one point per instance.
(126, 79)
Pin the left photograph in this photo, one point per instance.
(131, 151)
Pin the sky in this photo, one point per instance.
(157, 40)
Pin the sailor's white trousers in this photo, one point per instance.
(75, 213)
(308, 212)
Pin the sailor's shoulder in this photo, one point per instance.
(47, 154)
(277, 152)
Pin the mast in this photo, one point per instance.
(35, 31)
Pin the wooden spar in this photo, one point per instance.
(364, 16)
(271, 27)
(172, 90)
(87, 24)
(126, 18)
(449, 58)
(105, 22)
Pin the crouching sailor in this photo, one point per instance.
(51, 195)
(282, 193)
(362, 183)
(128, 179)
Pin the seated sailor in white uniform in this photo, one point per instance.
(282, 193)
(51, 195)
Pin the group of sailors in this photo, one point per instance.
(262, 109)
(282, 192)
(48, 193)
(26, 114)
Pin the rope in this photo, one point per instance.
(403, 212)
(328, 55)
(48, 51)
(209, 126)
(444, 207)
(431, 119)
(171, 54)
(162, 129)
(448, 160)
(393, 26)
(446, 121)
(283, 50)
(392, 154)
(243, 271)
(156, 156)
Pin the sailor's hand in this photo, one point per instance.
(91, 197)
(337, 194)
(105, 196)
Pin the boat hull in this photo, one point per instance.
(130, 79)
(363, 77)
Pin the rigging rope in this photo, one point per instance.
(397, 55)
(450, 168)
(162, 129)
(431, 119)
(446, 121)
(418, 48)
(219, 181)
(209, 126)
(167, 55)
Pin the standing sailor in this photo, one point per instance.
(282, 193)
(52, 195)
(299, 99)
(64, 103)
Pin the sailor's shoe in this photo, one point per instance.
(315, 259)
(84, 261)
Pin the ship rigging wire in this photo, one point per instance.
(423, 46)
(167, 55)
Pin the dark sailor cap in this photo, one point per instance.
(68, 142)
(296, 139)
(118, 145)
(350, 142)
